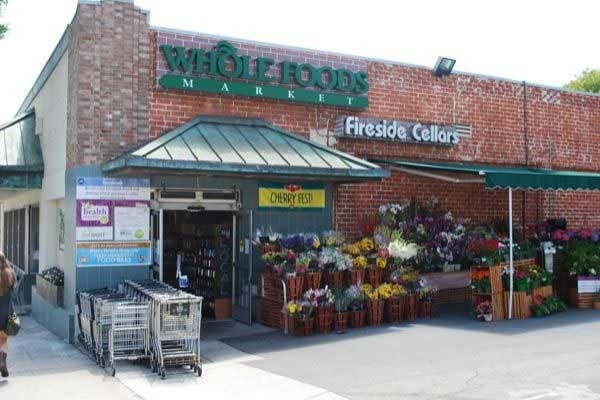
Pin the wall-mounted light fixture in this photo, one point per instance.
(443, 66)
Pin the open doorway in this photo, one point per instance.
(197, 257)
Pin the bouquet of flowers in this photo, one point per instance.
(333, 259)
(333, 239)
(357, 298)
(484, 310)
(319, 297)
(484, 251)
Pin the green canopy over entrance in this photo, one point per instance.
(224, 146)
(500, 177)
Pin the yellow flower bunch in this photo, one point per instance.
(316, 242)
(293, 308)
(352, 249)
(410, 276)
(360, 262)
(385, 291)
(366, 245)
(398, 290)
(381, 262)
(366, 288)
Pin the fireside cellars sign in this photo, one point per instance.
(396, 131)
(195, 69)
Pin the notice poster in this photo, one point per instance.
(588, 284)
(94, 220)
(113, 222)
(102, 254)
(132, 220)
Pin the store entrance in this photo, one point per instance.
(197, 256)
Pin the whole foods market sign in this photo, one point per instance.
(396, 131)
(221, 70)
(291, 196)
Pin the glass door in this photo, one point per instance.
(242, 267)
(157, 229)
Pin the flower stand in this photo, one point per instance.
(394, 306)
(304, 327)
(294, 285)
(375, 311)
(374, 276)
(412, 307)
(324, 319)
(355, 276)
(425, 309)
(356, 319)
(312, 280)
(341, 321)
(334, 279)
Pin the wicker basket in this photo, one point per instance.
(312, 280)
(412, 306)
(303, 327)
(295, 287)
(340, 321)
(374, 276)
(324, 319)
(375, 311)
(355, 276)
(334, 279)
(394, 309)
(356, 319)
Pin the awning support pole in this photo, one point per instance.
(510, 251)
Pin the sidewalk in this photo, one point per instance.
(44, 367)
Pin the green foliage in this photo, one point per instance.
(587, 81)
(582, 257)
(3, 26)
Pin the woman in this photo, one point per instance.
(7, 284)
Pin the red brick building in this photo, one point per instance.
(119, 81)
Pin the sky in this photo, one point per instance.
(547, 42)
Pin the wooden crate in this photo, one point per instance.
(498, 306)
(271, 287)
(544, 291)
(51, 293)
(521, 305)
(524, 263)
(495, 276)
(581, 300)
(271, 313)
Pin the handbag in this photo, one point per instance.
(13, 325)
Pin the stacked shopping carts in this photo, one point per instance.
(175, 317)
(145, 320)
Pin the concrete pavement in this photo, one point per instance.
(556, 357)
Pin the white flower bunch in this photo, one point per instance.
(402, 249)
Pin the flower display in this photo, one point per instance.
(333, 239)
(357, 297)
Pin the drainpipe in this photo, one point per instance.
(526, 137)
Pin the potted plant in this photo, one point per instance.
(301, 312)
(341, 304)
(484, 252)
(394, 295)
(483, 311)
(334, 264)
(357, 312)
(480, 281)
(293, 275)
(521, 280)
(50, 286)
(426, 294)
(356, 274)
(375, 304)
(322, 301)
(313, 268)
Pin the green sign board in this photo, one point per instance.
(223, 71)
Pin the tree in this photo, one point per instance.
(587, 81)
(3, 27)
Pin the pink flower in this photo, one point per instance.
(585, 233)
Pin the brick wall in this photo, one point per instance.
(562, 128)
(116, 104)
(109, 81)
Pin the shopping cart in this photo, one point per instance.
(103, 306)
(85, 316)
(128, 335)
(175, 319)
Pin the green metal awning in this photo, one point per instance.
(21, 163)
(500, 176)
(223, 146)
